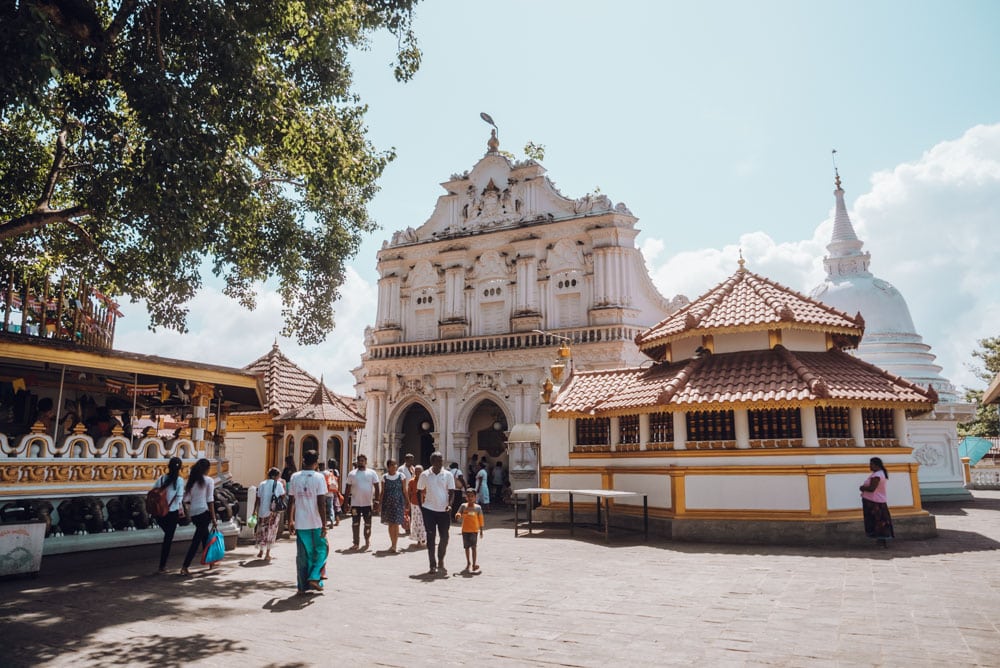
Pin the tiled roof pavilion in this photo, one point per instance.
(775, 377)
(323, 406)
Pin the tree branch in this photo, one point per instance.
(42, 205)
(121, 18)
(36, 220)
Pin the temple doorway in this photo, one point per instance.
(487, 435)
(416, 426)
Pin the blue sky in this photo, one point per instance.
(713, 122)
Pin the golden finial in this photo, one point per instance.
(742, 262)
(836, 172)
(493, 144)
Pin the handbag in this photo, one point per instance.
(278, 503)
(215, 549)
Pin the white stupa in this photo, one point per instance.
(891, 342)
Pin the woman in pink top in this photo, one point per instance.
(874, 503)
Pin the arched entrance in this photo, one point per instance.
(415, 428)
(487, 427)
(335, 450)
(309, 442)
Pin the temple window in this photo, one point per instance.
(593, 431)
(661, 428)
(877, 423)
(628, 429)
(711, 426)
(833, 422)
(771, 423)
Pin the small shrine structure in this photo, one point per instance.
(749, 422)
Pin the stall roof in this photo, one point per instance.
(241, 389)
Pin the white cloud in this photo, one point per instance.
(932, 227)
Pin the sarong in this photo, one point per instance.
(310, 557)
(878, 522)
(267, 530)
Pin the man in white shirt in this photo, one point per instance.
(434, 490)
(307, 518)
(364, 490)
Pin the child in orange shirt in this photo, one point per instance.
(471, 515)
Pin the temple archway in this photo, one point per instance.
(335, 450)
(487, 426)
(415, 427)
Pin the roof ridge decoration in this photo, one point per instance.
(813, 380)
(780, 308)
(674, 385)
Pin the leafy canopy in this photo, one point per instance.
(986, 422)
(142, 138)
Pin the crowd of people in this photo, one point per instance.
(408, 499)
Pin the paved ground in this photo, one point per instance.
(540, 600)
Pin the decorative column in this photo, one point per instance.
(741, 425)
(810, 434)
(614, 438)
(201, 397)
(643, 431)
(454, 293)
(857, 426)
(680, 430)
(460, 441)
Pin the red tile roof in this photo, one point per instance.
(746, 379)
(286, 385)
(324, 406)
(749, 302)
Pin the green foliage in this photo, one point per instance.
(986, 421)
(535, 151)
(140, 138)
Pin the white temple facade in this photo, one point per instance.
(891, 342)
(473, 303)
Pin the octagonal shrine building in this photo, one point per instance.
(748, 422)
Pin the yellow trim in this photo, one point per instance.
(81, 358)
(774, 338)
(708, 342)
(757, 327)
(738, 452)
(817, 493)
(925, 405)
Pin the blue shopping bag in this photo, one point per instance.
(215, 549)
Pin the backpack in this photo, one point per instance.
(157, 504)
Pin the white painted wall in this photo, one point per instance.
(763, 492)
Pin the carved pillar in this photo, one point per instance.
(643, 430)
(201, 397)
(460, 442)
(614, 438)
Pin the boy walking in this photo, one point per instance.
(471, 515)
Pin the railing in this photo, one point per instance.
(985, 478)
(513, 341)
(78, 314)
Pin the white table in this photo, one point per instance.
(603, 497)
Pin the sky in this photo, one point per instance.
(714, 122)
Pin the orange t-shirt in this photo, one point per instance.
(472, 518)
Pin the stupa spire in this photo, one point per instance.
(845, 257)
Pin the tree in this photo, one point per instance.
(142, 139)
(986, 422)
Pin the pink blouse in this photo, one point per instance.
(879, 495)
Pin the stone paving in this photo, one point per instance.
(540, 600)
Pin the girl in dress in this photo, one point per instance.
(393, 501)
(417, 530)
(483, 487)
(874, 503)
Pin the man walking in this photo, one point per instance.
(434, 490)
(365, 491)
(307, 518)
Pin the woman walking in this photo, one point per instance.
(483, 487)
(200, 491)
(417, 530)
(874, 503)
(268, 520)
(174, 484)
(393, 501)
